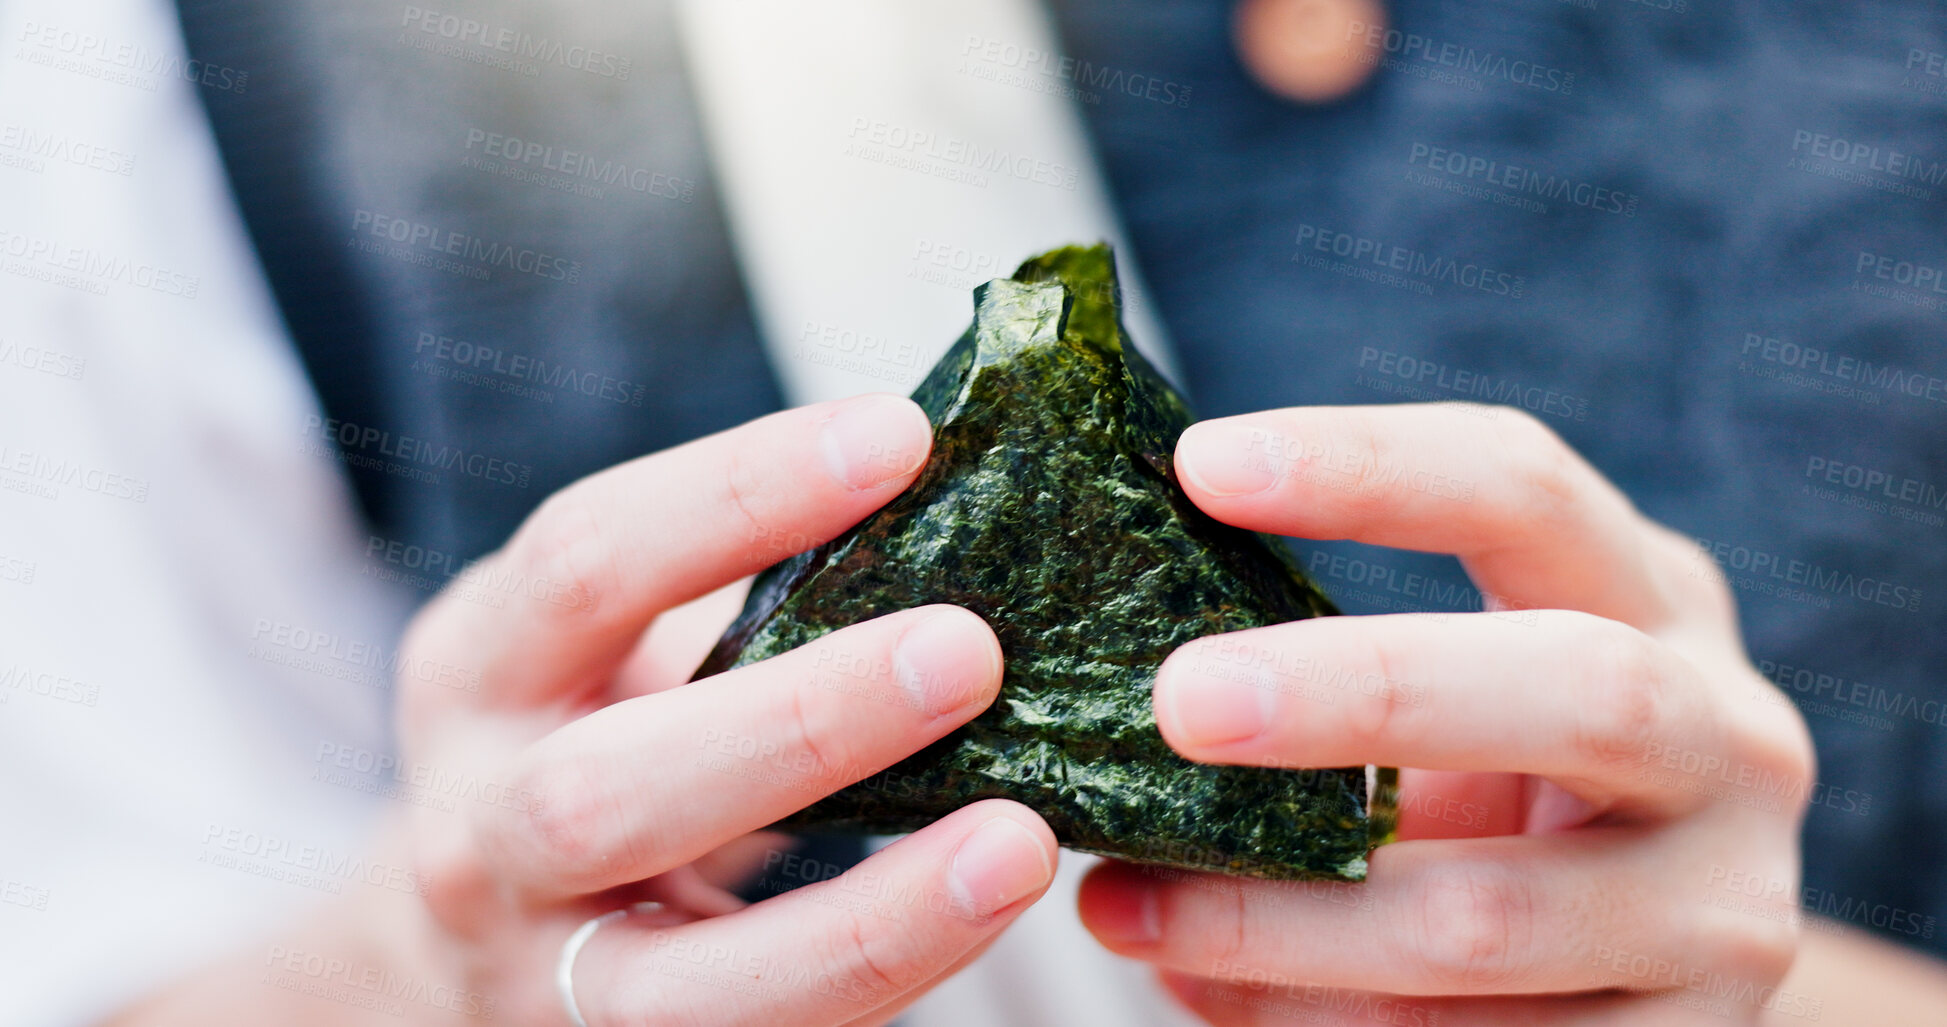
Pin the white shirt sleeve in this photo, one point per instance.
(186, 643)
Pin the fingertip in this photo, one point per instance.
(1225, 459)
(1029, 820)
(1206, 704)
(1009, 857)
(1120, 905)
(949, 660)
(875, 441)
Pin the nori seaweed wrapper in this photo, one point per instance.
(1050, 508)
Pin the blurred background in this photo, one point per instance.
(306, 304)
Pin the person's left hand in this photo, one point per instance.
(1592, 769)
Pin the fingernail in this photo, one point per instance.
(1207, 710)
(1228, 457)
(870, 440)
(998, 864)
(1130, 913)
(947, 661)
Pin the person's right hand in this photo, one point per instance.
(623, 777)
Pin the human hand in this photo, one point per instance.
(1606, 733)
(642, 786)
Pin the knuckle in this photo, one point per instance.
(1377, 713)
(1209, 923)
(1758, 949)
(816, 733)
(565, 550)
(1475, 920)
(458, 887)
(1685, 584)
(1629, 693)
(1375, 457)
(878, 966)
(573, 830)
(1545, 473)
(740, 494)
(1234, 929)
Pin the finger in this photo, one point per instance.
(1577, 911)
(1588, 702)
(1276, 1001)
(1462, 804)
(835, 951)
(648, 784)
(1531, 520)
(598, 560)
(890, 1011)
(676, 642)
(738, 861)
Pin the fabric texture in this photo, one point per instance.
(1639, 327)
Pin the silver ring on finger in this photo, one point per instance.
(564, 968)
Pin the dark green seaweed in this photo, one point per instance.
(1049, 507)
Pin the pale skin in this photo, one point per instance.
(1574, 890)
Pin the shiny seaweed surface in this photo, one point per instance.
(1049, 507)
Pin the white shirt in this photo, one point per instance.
(165, 541)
